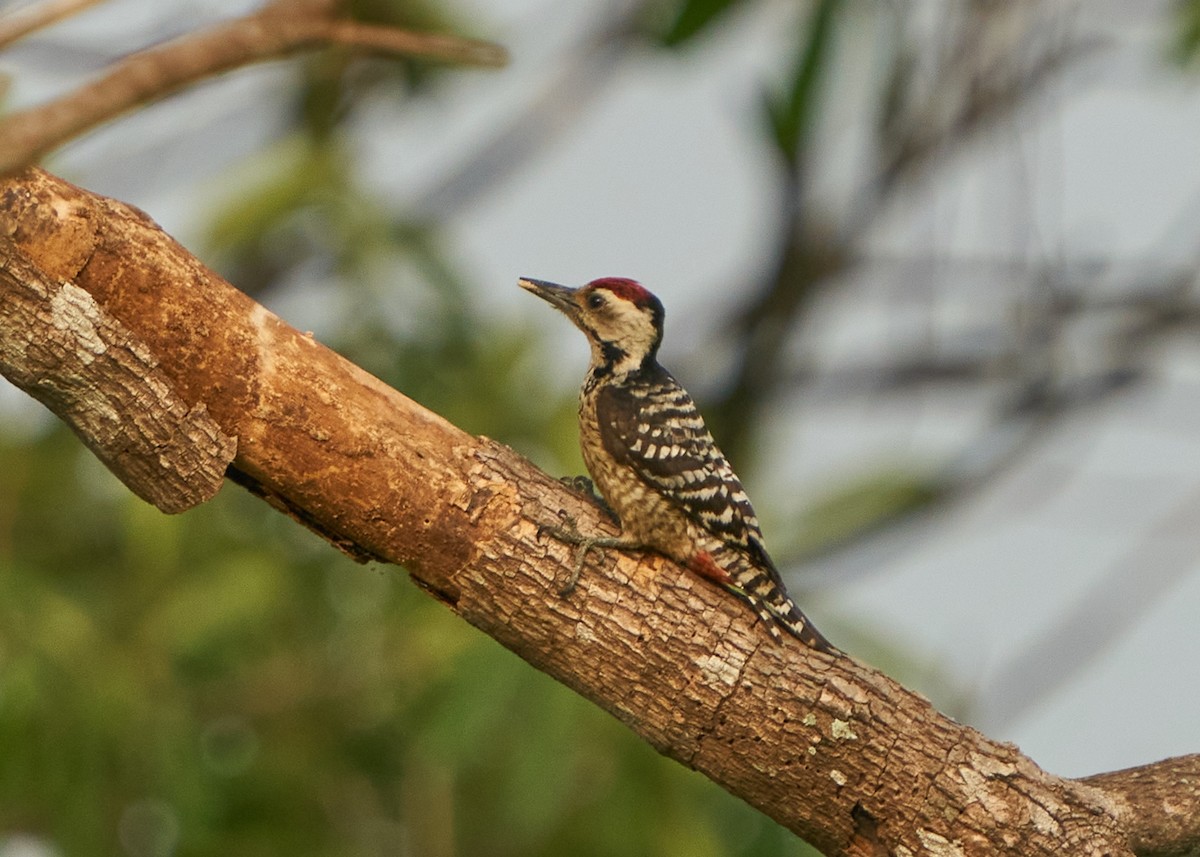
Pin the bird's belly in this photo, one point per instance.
(645, 515)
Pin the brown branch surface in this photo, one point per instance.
(1159, 804)
(825, 745)
(280, 28)
(63, 348)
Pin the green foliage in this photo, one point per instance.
(1187, 41)
(225, 682)
(694, 17)
(881, 497)
(792, 110)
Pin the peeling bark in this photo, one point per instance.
(827, 746)
(67, 352)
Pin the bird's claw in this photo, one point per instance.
(569, 534)
(581, 484)
(585, 486)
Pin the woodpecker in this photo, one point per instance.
(655, 463)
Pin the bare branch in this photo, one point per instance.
(1160, 805)
(28, 19)
(277, 30)
(60, 346)
(827, 746)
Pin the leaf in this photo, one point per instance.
(791, 112)
(1187, 37)
(693, 18)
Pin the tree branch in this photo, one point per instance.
(278, 29)
(19, 24)
(1158, 804)
(827, 746)
(68, 353)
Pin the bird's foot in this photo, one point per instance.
(570, 534)
(585, 486)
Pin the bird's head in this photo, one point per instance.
(621, 319)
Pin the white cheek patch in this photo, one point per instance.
(630, 328)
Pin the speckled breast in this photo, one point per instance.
(645, 514)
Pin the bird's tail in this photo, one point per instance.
(759, 585)
(797, 624)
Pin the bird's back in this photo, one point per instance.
(656, 464)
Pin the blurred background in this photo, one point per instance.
(929, 266)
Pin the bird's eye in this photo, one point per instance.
(595, 300)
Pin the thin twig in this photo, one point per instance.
(277, 30)
(435, 46)
(19, 24)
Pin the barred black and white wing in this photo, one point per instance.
(654, 427)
